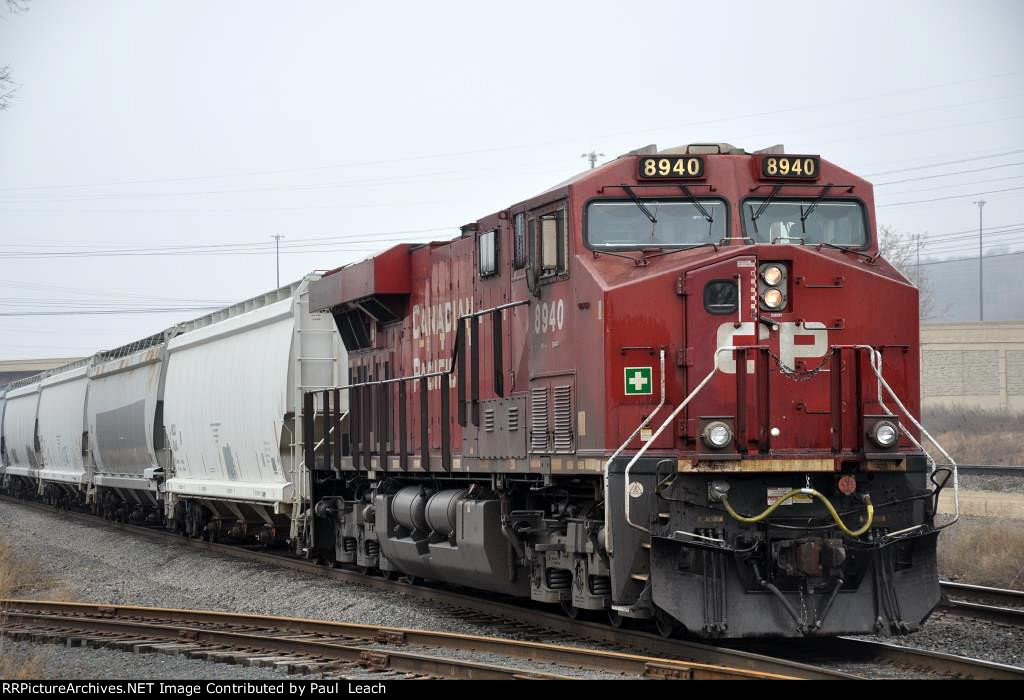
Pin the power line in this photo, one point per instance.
(1000, 154)
(94, 312)
(451, 154)
(968, 183)
(959, 172)
(955, 196)
(974, 259)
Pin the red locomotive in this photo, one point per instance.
(680, 386)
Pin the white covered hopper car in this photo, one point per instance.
(198, 427)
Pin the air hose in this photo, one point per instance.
(807, 492)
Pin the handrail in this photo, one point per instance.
(320, 444)
(950, 461)
(643, 424)
(453, 358)
(876, 367)
(643, 448)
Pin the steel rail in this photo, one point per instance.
(992, 469)
(736, 659)
(260, 642)
(937, 662)
(222, 627)
(999, 605)
(516, 612)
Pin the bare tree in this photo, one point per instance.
(902, 252)
(7, 86)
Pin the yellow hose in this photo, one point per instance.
(808, 492)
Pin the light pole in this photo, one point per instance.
(592, 157)
(277, 255)
(981, 268)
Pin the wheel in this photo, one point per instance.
(365, 570)
(616, 620)
(666, 625)
(391, 575)
(572, 612)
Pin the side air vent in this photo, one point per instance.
(489, 420)
(513, 418)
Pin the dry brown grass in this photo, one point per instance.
(19, 576)
(978, 436)
(984, 552)
(23, 667)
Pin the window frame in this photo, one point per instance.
(560, 210)
(726, 205)
(868, 235)
(732, 282)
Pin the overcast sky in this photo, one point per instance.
(158, 127)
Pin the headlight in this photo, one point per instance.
(717, 435)
(772, 274)
(885, 434)
(773, 298)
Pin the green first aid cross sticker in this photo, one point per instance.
(639, 381)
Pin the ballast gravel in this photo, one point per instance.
(90, 563)
(93, 563)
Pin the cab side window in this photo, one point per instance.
(519, 241)
(550, 242)
(487, 251)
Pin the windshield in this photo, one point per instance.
(676, 223)
(835, 222)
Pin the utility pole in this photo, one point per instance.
(592, 157)
(277, 254)
(981, 268)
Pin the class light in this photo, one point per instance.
(773, 298)
(772, 274)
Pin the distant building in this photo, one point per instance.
(12, 370)
(954, 288)
(978, 364)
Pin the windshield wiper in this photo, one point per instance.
(869, 258)
(696, 203)
(804, 215)
(754, 216)
(639, 204)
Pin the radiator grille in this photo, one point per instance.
(489, 420)
(563, 419)
(539, 419)
(513, 418)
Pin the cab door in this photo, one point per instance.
(722, 311)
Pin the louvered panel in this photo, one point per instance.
(489, 420)
(564, 440)
(539, 419)
(513, 418)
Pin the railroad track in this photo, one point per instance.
(991, 469)
(998, 605)
(528, 620)
(331, 648)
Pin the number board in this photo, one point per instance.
(670, 167)
(791, 167)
